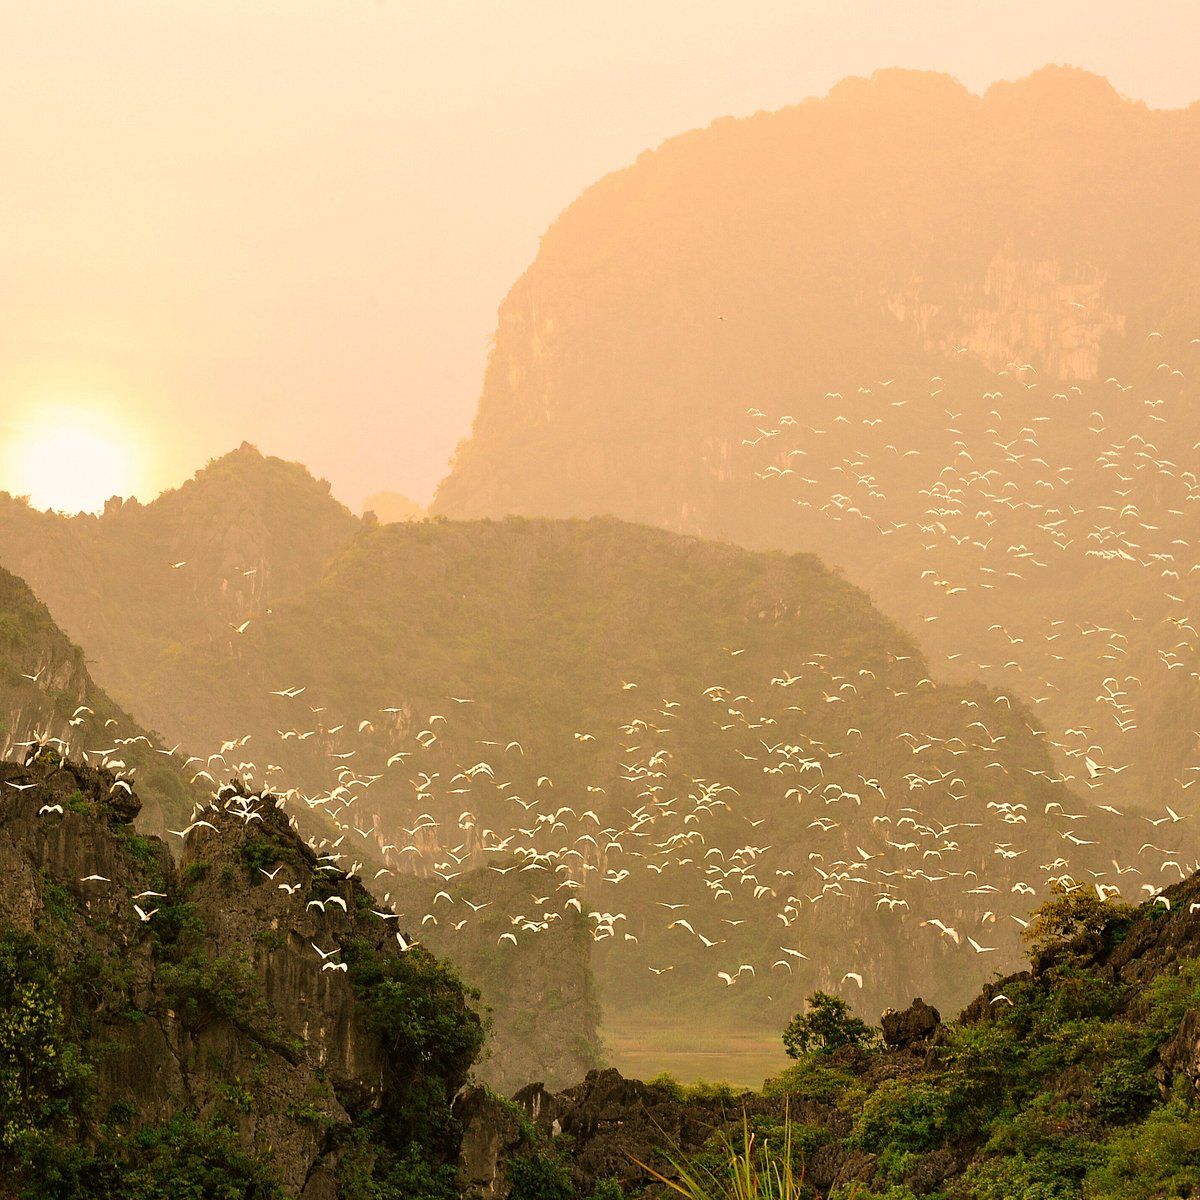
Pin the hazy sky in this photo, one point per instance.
(292, 221)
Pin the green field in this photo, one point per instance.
(642, 1049)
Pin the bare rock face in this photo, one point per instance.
(1018, 308)
(612, 1123)
(1042, 222)
(491, 1134)
(253, 988)
(915, 1025)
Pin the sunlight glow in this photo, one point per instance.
(69, 459)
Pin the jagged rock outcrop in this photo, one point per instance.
(539, 995)
(251, 991)
(917, 1023)
(1180, 1057)
(492, 1134)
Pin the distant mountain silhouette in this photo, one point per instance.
(948, 342)
(390, 507)
(142, 579)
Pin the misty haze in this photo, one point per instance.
(600, 605)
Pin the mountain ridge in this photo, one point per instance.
(234, 548)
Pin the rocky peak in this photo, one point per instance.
(199, 994)
(912, 1027)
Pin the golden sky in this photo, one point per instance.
(292, 221)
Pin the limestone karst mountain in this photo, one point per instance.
(948, 342)
(204, 1029)
(896, 222)
(743, 777)
(390, 507)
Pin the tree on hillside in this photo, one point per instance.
(827, 1025)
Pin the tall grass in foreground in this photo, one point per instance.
(748, 1171)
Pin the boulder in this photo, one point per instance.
(912, 1027)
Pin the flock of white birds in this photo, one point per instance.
(1050, 534)
(848, 822)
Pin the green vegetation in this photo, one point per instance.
(77, 803)
(415, 1002)
(184, 1159)
(703, 1090)
(202, 988)
(1070, 915)
(57, 903)
(1054, 1095)
(46, 1091)
(417, 1006)
(749, 1167)
(539, 1177)
(827, 1025)
(372, 1171)
(42, 1072)
(1056, 1089)
(85, 1009)
(258, 854)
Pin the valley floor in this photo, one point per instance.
(642, 1048)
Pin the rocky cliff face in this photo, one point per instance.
(539, 995)
(247, 1007)
(1019, 309)
(898, 222)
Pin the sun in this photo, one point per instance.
(69, 460)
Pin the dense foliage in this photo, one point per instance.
(1070, 1082)
(49, 1140)
(827, 1025)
